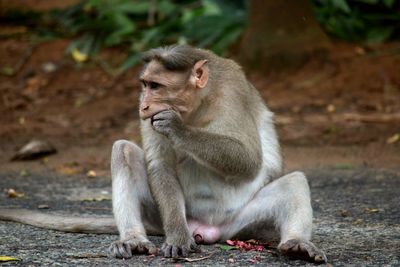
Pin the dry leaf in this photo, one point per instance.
(393, 139)
(91, 174)
(11, 193)
(359, 50)
(78, 56)
(331, 108)
(344, 213)
(69, 169)
(371, 210)
(96, 199)
(7, 258)
(43, 206)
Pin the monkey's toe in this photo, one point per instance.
(304, 250)
(125, 249)
(173, 251)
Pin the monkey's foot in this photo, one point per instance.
(125, 249)
(304, 250)
(175, 251)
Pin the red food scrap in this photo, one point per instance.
(248, 245)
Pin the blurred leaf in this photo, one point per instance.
(8, 71)
(226, 247)
(78, 56)
(129, 62)
(389, 3)
(342, 5)
(211, 8)
(7, 258)
(393, 139)
(96, 199)
(378, 35)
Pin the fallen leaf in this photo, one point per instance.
(393, 139)
(69, 169)
(43, 206)
(359, 221)
(24, 173)
(78, 56)
(331, 108)
(21, 120)
(7, 70)
(11, 193)
(371, 210)
(226, 247)
(344, 213)
(7, 258)
(359, 50)
(344, 166)
(91, 174)
(49, 67)
(96, 199)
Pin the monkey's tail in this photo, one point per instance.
(93, 225)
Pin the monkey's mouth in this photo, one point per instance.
(152, 120)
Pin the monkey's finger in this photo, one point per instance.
(121, 250)
(175, 252)
(160, 123)
(185, 252)
(166, 114)
(167, 251)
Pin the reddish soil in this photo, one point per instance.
(339, 112)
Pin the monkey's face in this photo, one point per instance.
(163, 89)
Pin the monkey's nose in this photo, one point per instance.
(145, 107)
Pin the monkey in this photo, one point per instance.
(210, 167)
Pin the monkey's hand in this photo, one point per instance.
(125, 248)
(168, 123)
(179, 246)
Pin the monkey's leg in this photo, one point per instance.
(284, 202)
(134, 209)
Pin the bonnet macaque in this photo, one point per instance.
(210, 168)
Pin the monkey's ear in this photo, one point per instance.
(200, 73)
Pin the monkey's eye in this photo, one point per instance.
(154, 86)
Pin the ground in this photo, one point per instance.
(337, 119)
(358, 226)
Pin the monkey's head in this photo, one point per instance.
(172, 78)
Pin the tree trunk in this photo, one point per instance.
(281, 35)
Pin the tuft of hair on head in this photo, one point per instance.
(175, 57)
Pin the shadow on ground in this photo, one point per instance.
(357, 222)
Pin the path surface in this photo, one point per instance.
(357, 222)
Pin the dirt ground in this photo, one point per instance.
(340, 111)
(356, 227)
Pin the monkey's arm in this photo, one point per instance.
(167, 193)
(231, 156)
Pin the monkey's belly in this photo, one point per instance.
(209, 198)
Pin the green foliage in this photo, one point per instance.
(373, 21)
(142, 24)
